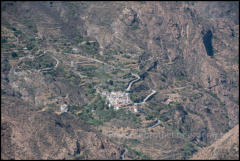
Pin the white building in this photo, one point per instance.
(74, 49)
(118, 99)
(64, 108)
(135, 110)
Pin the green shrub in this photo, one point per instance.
(74, 107)
(133, 142)
(17, 32)
(222, 103)
(30, 25)
(78, 39)
(110, 82)
(149, 117)
(173, 103)
(8, 46)
(139, 154)
(212, 94)
(189, 149)
(128, 118)
(91, 48)
(86, 115)
(163, 118)
(195, 96)
(14, 29)
(127, 56)
(6, 67)
(88, 118)
(106, 115)
(136, 97)
(136, 152)
(94, 122)
(88, 70)
(235, 100)
(146, 157)
(4, 40)
(30, 46)
(135, 26)
(79, 157)
(14, 55)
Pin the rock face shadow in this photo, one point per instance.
(207, 41)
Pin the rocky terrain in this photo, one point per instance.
(55, 53)
(227, 147)
(29, 134)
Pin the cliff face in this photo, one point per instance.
(56, 53)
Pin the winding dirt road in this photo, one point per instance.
(130, 84)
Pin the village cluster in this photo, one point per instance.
(116, 100)
(119, 100)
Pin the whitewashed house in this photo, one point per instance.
(64, 108)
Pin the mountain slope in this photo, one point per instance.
(29, 134)
(73, 54)
(227, 147)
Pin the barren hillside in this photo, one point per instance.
(227, 147)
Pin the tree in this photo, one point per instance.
(111, 82)
(14, 55)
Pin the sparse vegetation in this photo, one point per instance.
(163, 117)
(126, 56)
(235, 100)
(87, 116)
(189, 149)
(78, 39)
(132, 142)
(135, 97)
(31, 25)
(87, 70)
(150, 115)
(4, 40)
(212, 94)
(136, 153)
(173, 103)
(91, 47)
